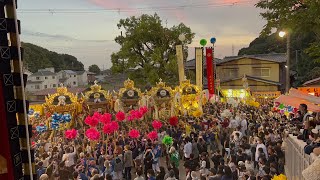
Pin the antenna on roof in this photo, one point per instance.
(232, 50)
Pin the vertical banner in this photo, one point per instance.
(210, 74)
(179, 53)
(199, 63)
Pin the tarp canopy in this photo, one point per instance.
(302, 95)
(295, 102)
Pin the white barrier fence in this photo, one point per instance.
(296, 159)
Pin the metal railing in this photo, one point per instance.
(296, 159)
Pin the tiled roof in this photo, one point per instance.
(79, 72)
(254, 79)
(44, 73)
(273, 57)
(45, 92)
(312, 81)
(192, 63)
(69, 72)
(34, 82)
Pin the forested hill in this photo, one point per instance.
(37, 57)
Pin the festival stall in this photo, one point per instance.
(289, 104)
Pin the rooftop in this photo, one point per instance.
(45, 92)
(273, 57)
(69, 72)
(312, 81)
(44, 73)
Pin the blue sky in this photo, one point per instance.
(89, 33)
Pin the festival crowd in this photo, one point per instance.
(225, 143)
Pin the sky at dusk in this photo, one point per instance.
(87, 28)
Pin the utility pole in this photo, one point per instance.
(288, 83)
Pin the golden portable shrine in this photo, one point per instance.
(128, 97)
(188, 99)
(63, 103)
(161, 97)
(97, 99)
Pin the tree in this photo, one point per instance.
(94, 68)
(147, 50)
(295, 16)
(36, 57)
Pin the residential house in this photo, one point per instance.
(85, 78)
(264, 72)
(39, 96)
(43, 79)
(68, 78)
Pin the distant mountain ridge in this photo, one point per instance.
(36, 57)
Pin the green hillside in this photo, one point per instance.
(37, 57)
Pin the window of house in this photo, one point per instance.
(37, 78)
(75, 75)
(54, 85)
(74, 83)
(53, 77)
(45, 77)
(37, 86)
(231, 73)
(45, 86)
(70, 75)
(261, 72)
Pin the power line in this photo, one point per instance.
(151, 8)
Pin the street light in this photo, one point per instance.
(282, 34)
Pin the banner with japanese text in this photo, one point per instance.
(210, 70)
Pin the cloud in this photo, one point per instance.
(59, 37)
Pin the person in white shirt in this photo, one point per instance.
(69, 157)
(244, 126)
(187, 150)
(264, 148)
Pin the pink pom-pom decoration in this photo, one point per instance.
(156, 124)
(91, 121)
(153, 135)
(106, 118)
(71, 134)
(143, 110)
(114, 125)
(173, 121)
(138, 115)
(107, 128)
(130, 118)
(134, 134)
(120, 116)
(92, 134)
(97, 115)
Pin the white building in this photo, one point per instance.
(43, 79)
(68, 78)
(82, 78)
